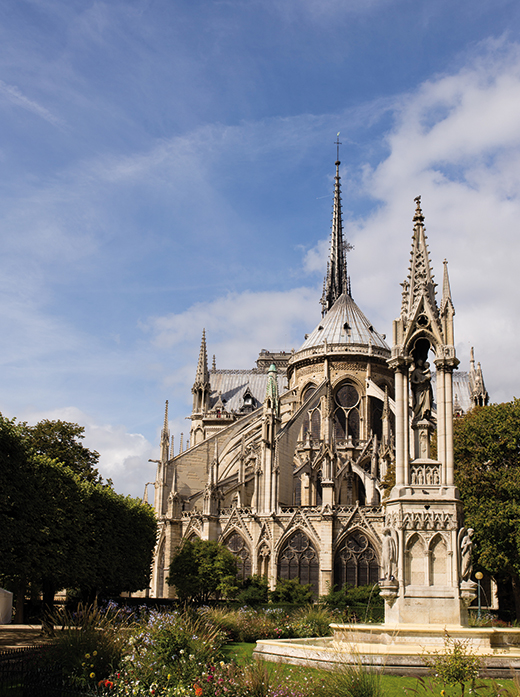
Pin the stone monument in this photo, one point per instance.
(423, 512)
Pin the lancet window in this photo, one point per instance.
(312, 421)
(299, 559)
(346, 414)
(236, 544)
(356, 562)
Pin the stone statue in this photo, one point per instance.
(422, 393)
(466, 546)
(389, 556)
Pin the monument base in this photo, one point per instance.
(397, 649)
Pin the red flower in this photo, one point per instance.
(198, 690)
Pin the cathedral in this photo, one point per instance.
(288, 463)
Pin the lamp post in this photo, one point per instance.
(478, 576)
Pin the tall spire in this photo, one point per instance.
(165, 436)
(201, 386)
(446, 302)
(419, 284)
(202, 374)
(336, 281)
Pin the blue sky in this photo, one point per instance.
(167, 166)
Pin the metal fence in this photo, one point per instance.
(24, 672)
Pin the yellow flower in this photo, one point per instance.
(92, 675)
(169, 676)
(87, 655)
(443, 693)
(94, 653)
(83, 664)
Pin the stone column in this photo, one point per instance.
(441, 420)
(406, 427)
(448, 390)
(399, 428)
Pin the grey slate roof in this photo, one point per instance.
(344, 323)
(234, 383)
(461, 389)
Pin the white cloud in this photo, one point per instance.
(123, 456)
(238, 325)
(456, 141)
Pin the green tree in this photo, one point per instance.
(62, 528)
(19, 539)
(292, 591)
(487, 457)
(118, 539)
(201, 569)
(60, 440)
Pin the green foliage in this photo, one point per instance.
(291, 591)
(201, 569)
(169, 648)
(355, 597)
(118, 538)
(254, 591)
(92, 642)
(249, 624)
(351, 680)
(61, 530)
(487, 454)
(456, 665)
(311, 621)
(59, 440)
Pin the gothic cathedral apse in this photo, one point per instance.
(285, 462)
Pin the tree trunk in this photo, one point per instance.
(48, 607)
(515, 582)
(21, 587)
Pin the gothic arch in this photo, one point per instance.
(303, 392)
(359, 384)
(298, 557)
(239, 547)
(356, 559)
(350, 488)
(160, 570)
(348, 397)
(415, 561)
(438, 558)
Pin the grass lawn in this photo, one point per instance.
(392, 685)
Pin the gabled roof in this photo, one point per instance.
(233, 384)
(344, 323)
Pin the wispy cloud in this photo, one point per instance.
(13, 94)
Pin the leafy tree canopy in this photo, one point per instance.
(60, 440)
(61, 527)
(487, 457)
(201, 569)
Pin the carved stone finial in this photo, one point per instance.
(418, 217)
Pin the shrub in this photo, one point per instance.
(456, 665)
(254, 591)
(91, 643)
(311, 622)
(291, 591)
(170, 648)
(247, 624)
(351, 596)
